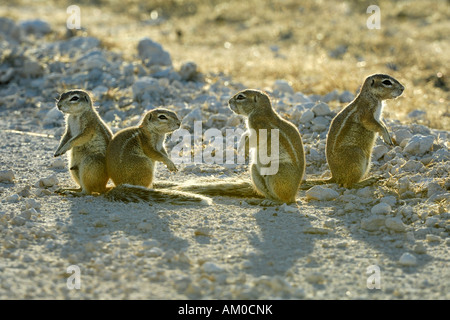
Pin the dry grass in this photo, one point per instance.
(257, 42)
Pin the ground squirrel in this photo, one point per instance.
(279, 186)
(352, 132)
(86, 138)
(131, 159)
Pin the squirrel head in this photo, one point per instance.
(74, 102)
(382, 87)
(160, 120)
(249, 101)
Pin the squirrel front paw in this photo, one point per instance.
(171, 166)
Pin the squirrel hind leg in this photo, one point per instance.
(350, 169)
(93, 175)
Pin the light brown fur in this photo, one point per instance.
(132, 153)
(352, 132)
(86, 138)
(280, 187)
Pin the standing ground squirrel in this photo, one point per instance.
(86, 137)
(280, 185)
(352, 133)
(132, 154)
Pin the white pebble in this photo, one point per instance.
(407, 259)
(288, 209)
(321, 193)
(395, 224)
(433, 238)
(155, 252)
(13, 198)
(321, 109)
(31, 203)
(283, 86)
(58, 164)
(307, 116)
(210, 267)
(379, 151)
(419, 144)
(47, 182)
(373, 223)
(381, 208)
(6, 176)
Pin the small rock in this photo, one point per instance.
(155, 252)
(190, 119)
(36, 27)
(418, 145)
(402, 134)
(217, 121)
(152, 53)
(124, 242)
(319, 124)
(331, 96)
(234, 121)
(373, 223)
(417, 114)
(32, 203)
(432, 238)
(381, 208)
(7, 176)
(321, 109)
(210, 267)
(53, 118)
(151, 243)
(145, 86)
(379, 151)
(47, 182)
(419, 248)
(188, 71)
(412, 166)
(390, 200)
(307, 116)
(407, 259)
(58, 164)
(283, 86)
(321, 193)
(346, 97)
(299, 97)
(433, 188)
(395, 224)
(27, 214)
(32, 68)
(13, 198)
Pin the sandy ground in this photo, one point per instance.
(314, 249)
(229, 250)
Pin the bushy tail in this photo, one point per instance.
(307, 184)
(131, 193)
(226, 188)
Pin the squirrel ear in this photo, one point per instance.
(373, 82)
(255, 98)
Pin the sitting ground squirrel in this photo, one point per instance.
(131, 159)
(280, 186)
(353, 130)
(86, 138)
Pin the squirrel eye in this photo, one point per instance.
(74, 98)
(387, 82)
(240, 97)
(162, 117)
